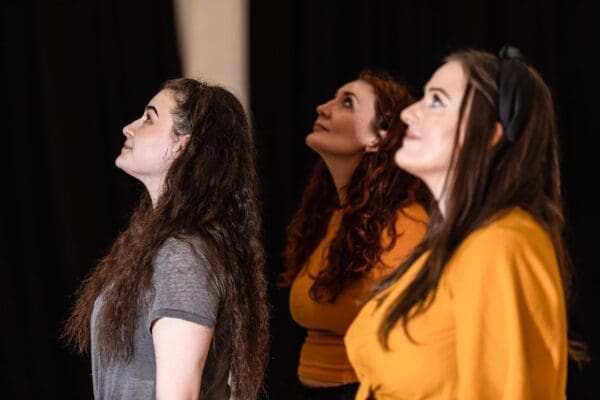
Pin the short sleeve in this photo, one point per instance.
(183, 287)
(510, 317)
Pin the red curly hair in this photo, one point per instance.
(375, 193)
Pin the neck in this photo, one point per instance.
(442, 206)
(341, 170)
(154, 188)
(437, 186)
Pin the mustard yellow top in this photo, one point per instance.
(323, 355)
(495, 330)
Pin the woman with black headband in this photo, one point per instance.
(479, 310)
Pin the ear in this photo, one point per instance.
(497, 135)
(176, 147)
(374, 146)
(181, 143)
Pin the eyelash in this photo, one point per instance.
(347, 102)
(436, 101)
(147, 119)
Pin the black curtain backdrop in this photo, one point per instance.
(302, 51)
(73, 73)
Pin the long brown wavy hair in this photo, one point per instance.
(375, 193)
(486, 181)
(210, 193)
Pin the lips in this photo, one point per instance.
(410, 136)
(319, 127)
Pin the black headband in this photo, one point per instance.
(515, 90)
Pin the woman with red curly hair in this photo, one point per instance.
(358, 216)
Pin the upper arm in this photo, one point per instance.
(181, 348)
(509, 318)
(184, 287)
(181, 319)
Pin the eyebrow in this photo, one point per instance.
(153, 109)
(348, 93)
(439, 89)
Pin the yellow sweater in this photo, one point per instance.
(323, 355)
(496, 328)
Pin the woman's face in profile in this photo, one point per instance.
(149, 148)
(343, 124)
(427, 147)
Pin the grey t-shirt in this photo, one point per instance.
(184, 289)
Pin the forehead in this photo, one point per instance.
(450, 77)
(360, 88)
(164, 100)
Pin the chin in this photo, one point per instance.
(312, 141)
(398, 157)
(119, 162)
(122, 164)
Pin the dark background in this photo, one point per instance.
(74, 72)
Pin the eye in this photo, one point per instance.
(436, 101)
(147, 119)
(347, 102)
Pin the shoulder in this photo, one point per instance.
(184, 285)
(513, 243)
(411, 215)
(410, 228)
(512, 230)
(184, 247)
(411, 221)
(183, 256)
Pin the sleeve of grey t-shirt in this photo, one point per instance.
(183, 287)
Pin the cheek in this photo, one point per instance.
(146, 159)
(440, 147)
(438, 151)
(150, 155)
(432, 153)
(358, 130)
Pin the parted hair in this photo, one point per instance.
(487, 180)
(210, 194)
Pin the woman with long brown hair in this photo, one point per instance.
(358, 216)
(177, 307)
(479, 310)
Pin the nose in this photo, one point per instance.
(324, 109)
(128, 129)
(410, 114)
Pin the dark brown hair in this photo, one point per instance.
(486, 181)
(375, 193)
(210, 194)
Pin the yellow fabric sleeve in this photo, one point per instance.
(506, 291)
(495, 330)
